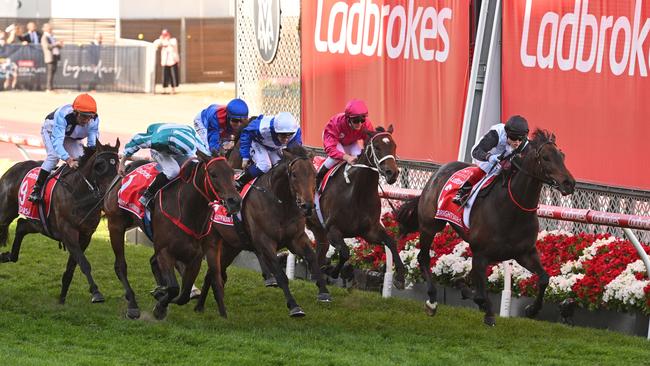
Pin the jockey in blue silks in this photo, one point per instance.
(217, 125)
(62, 133)
(262, 142)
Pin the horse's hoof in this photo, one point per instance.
(297, 312)
(271, 282)
(324, 297)
(490, 320)
(159, 292)
(531, 311)
(133, 313)
(159, 312)
(199, 308)
(5, 257)
(430, 308)
(61, 300)
(97, 297)
(181, 300)
(399, 284)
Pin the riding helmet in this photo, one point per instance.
(84, 103)
(237, 108)
(285, 122)
(356, 107)
(517, 126)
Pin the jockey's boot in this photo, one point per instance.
(243, 179)
(158, 182)
(319, 176)
(462, 193)
(35, 196)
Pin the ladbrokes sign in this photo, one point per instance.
(407, 59)
(580, 69)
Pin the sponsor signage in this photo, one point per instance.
(580, 68)
(266, 15)
(407, 59)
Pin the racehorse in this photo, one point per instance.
(74, 209)
(503, 224)
(350, 204)
(273, 215)
(199, 184)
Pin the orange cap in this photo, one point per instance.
(84, 103)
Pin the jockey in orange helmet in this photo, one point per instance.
(342, 135)
(62, 133)
(501, 140)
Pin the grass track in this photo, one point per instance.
(359, 328)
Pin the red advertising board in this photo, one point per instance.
(408, 59)
(580, 69)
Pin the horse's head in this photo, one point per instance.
(302, 177)
(380, 152)
(219, 182)
(99, 163)
(547, 162)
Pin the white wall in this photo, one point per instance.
(161, 9)
(24, 8)
(84, 9)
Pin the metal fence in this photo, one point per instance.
(87, 67)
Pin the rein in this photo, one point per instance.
(550, 182)
(371, 155)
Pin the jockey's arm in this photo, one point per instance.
(246, 138)
(214, 132)
(93, 132)
(482, 150)
(330, 141)
(58, 135)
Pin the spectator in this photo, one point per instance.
(168, 59)
(10, 70)
(94, 55)
(33, 36)
(51, 54)
(14, 33)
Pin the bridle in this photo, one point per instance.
(291, 187)
(371, 155)
(207, 190)
(544, 179)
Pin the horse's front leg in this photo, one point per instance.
(189, 274)
(117, 228)
(164, 262)
(76, 243)
(322, 244)
(301, 246)
(479, 279)
(424, 261)
(23, 227)
(335, 237)
(531, 262)
(377, 234)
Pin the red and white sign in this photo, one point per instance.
(580, 69)
(408, 59)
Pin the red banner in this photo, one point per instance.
(408, 59)
(580, 69)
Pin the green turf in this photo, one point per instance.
(359, 328)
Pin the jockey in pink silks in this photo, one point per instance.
(343, 134)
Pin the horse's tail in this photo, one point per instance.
(407, 216)
(4, 234)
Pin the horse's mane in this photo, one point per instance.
(541, 137)
(380, 129)
(88, 153)
(298, 150)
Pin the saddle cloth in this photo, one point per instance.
(451, 212)
(25, 206)
(220, 214)
(133, 186)
(318, 162)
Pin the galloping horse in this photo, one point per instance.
(74, 210)
(273, 214)
(350, 204)
(198, 185)
(503, 225)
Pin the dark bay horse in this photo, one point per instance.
(352, 209)
(273, 216)
(188, 200)
(503, 224)
(74, 211)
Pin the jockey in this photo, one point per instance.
(217, 125)
(171, 145)
(342, 134)
(62, 133)
(262, 142)
(499, 142)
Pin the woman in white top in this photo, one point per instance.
(168, 59)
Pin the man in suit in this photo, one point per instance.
(32, 36)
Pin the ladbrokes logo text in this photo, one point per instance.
(371, 28)
(579, 40)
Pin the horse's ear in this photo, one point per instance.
(202, 156)
(288, 154)
(390, 129)
(369, 133)
(117, 143)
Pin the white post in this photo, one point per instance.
(642, 254)
(291, 266)
(388, 276)
(504, 312)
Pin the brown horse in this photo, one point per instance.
(350, 204)
(199, 184)
(273, 216)
(74, 211)
(503, 224)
